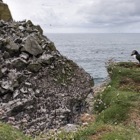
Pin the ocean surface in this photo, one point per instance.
(92, 51)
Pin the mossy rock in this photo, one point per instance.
(34, 67)
(5, 13)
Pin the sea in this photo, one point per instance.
(93, 51)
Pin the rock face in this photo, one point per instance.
(39, 88)
(5, 13)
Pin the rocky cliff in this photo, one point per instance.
(5, 13)
(39, 88)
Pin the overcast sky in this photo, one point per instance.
(97, 16)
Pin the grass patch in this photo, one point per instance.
(114, 103)
(121, 133)
(9, 133)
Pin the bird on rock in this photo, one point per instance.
(136, 55)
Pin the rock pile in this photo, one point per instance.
(39, 88)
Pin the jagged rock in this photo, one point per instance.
(32, 47)
(39, 88)
(39, 29)
(51, 46)
(16, 93)
(11, 47)
(46, 58)
(19, 64)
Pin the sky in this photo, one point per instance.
(79, 16)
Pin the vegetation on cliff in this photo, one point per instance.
(5, 13)
(9, 133)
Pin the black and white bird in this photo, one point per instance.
(136, 55)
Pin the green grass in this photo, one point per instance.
(9, 133)
(114, 103)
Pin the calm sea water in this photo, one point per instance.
(92, 51)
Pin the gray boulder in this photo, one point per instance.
(32, 46)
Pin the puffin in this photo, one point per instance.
(136, 55)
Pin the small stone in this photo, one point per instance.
(70, 128)
(6, 85)
(24, 90)
(21, 28)
(24, 56)
(46, 58)
(37, 91)
(4, 70)
(28, 84)
(1, 112)
(6, 55)
(16, 93)
(24, 120)
(11, 119)
(18, 40)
